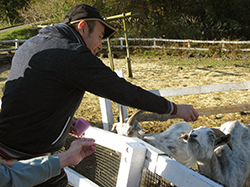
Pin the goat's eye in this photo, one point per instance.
(211, 136)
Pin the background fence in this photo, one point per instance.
(187, 44)
(10, 45)
(198, 45)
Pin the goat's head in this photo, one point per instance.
(203, 140)
(129, 127)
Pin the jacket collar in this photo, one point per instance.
(63, 31)
(77, 35)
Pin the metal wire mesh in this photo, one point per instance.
(101, 167)
(150, 179)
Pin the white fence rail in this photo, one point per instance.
(107, 113)
(189, 43)
(156, 43)
(16, 43)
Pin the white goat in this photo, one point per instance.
(167, 141)
(229, 165)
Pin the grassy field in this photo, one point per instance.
(25, 32)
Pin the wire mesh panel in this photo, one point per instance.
(150, 179)
(101, 167)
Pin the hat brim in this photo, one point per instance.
(109, 30)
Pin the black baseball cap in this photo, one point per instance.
(86, 12)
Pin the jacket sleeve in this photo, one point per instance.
(89, 73)
(29, 172)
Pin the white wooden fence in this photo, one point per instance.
(156, 43)
(136, 154)
(189, 43)
(16, 43)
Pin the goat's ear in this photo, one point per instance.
(222, 140)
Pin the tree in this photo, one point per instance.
(9, 9)
(179, 19)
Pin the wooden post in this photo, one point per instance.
(123, 16)
(124, 111)
(127, 48)
(110, 55)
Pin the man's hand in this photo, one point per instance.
(5, 163)
(187, 112)
(79, 149)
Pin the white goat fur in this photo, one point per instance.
(169, 142)
(166, 141)
(219, 162)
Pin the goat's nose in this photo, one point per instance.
(193, 135)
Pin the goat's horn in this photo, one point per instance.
(218, 133)
(121, 114)
(132, 119)
(183, 136)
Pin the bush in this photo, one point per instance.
(53, 10)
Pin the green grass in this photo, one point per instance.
(22, 33)
(25, 32)
(215, 62)
(195, 62)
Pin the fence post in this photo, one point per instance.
(126, 40)
(189, 43)
(121, 42)
(132, 161)
(107, 112)
(222, 45)
(110, 55)
(16, 44)
(122, 109)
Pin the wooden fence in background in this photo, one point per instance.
(155, 43)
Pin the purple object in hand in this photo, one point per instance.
(82, 125)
